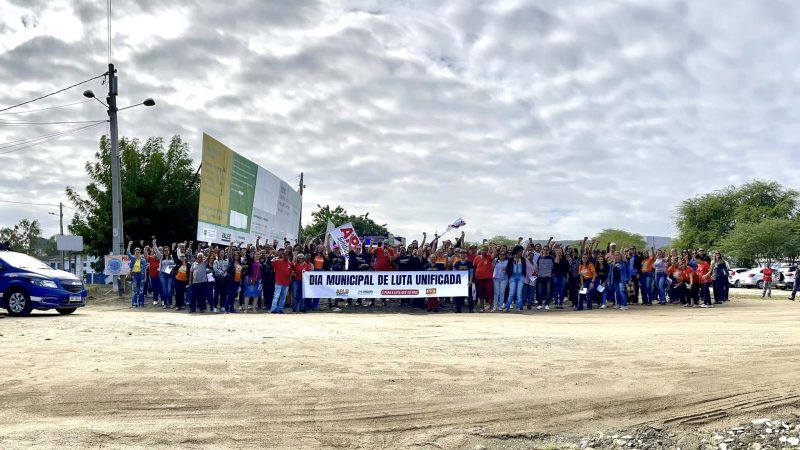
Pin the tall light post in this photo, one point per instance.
(60, 226)
(117, 236)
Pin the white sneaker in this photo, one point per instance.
(546, 308)
(155, 302)
(704, 305)
(623, 308)
(539, 307)
(603, 306)
(214, 310)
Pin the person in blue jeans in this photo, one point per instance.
(500, 279)
(618, 276)
(561, 267)
(166, 277)
(661, 281)
(515, 271)
(282, 269)
(137, 264)
(198, 280)
(543, 283)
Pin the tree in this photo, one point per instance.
(160, 194)
(769, 240)
(504, 240)
(704, 221)
(620, 237)
(363, 225)
(25, 237)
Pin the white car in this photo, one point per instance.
(735, 276)
(754, 278)
(787, 276)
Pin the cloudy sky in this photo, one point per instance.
(526, 118)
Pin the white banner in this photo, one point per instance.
(344, 236)
(451, 283)
(116, 265)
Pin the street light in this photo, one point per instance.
(146, 102)
(116, 188)
(60, 227)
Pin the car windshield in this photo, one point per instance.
(21, 261)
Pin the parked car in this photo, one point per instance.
(27, 284)
(787, 275)
(735, 276)
(755, 277)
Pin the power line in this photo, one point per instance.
(27, 140)
(36, 204)
(43, 109)
(55, 136)
(52, 93)
(60, 122)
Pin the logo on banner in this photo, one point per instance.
(430, 291)
(114, 266)
(343, 292)
(399, 291)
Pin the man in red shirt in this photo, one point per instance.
(484, 266)
(283, 269)
(767, 280)
(383, 258)
(704, 274)
(298, 299)
(153, 267)
(472, 254)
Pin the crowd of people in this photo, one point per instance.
(250, 277)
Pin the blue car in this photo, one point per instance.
(27, 284)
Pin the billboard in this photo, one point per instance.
(69, 243)
(239, 200)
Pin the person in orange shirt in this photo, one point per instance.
(690, 278)
(704, 275)
(484, 287)
(676, 289)
(588, 278)
(646, 278)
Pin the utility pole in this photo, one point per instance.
(300, 221)
(117, 235)
(61, 228)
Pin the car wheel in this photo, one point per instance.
(737, 284)
(760, 285)
(66, 311)
(18, 303)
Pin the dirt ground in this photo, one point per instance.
(114, 377)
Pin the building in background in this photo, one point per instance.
(69, 266)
